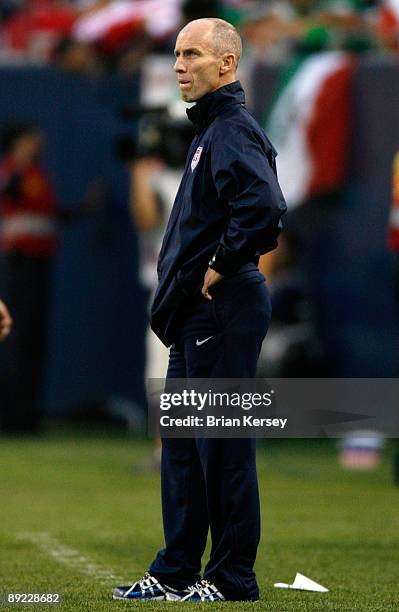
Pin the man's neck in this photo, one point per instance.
(224, 82)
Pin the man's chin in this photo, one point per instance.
(187, 97)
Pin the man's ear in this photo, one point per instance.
(228, 62)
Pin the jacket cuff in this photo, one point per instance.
(227, 262)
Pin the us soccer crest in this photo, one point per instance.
(196, 158)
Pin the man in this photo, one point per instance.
(5, 321)
(154, 183)
(212, 306)
(28, 242)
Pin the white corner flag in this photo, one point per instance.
(302, 583)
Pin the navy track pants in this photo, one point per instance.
(213, 482)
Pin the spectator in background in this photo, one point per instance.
(76, 57)
(28, 242)
(152, 193)
(309, 116)
(308, 120)
(154, 180)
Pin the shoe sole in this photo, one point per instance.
(121, 598)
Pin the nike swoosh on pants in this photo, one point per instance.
(199, 342)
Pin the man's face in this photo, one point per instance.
(197, 66)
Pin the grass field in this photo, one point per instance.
(77, 519)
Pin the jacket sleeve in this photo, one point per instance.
(244, 174)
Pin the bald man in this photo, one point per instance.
(212, 308)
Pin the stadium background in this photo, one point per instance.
(85, 487)
(95, 275)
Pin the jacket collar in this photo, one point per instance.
(206, 109)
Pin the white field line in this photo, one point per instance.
(71, 557)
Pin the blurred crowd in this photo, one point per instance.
(96, 36)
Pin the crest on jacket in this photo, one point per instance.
(196, 158)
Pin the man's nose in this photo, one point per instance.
(179, 65)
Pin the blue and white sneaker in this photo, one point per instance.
(148, 588)
(202, 591)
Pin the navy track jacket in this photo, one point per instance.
(227, 210)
